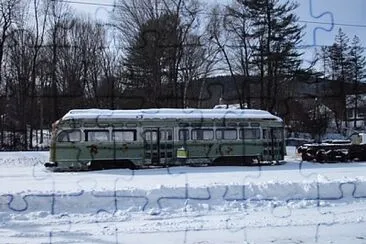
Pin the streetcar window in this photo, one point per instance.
(151, 135)
(202, 134)
(102, 125)
(277, 133)
(254, 124)
(249, 133)
(183, 134)
(73, 123)
(166, 135)
(117, 125)
(226, 134)
(183, 124)
(197, 125)
(124, 135)
(89, 124)
(69, 136)
(97, 135)
(244, 124)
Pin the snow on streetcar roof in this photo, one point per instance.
(169, 113)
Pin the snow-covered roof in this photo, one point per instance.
(169, 113)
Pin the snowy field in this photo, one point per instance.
(298, 202)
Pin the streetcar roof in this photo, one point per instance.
(170, 113)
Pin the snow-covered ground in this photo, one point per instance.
(298, 202)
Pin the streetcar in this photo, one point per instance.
(85, 139)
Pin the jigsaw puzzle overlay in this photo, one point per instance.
(284, 201)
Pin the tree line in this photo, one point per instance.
(152, 52)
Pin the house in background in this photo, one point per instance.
(356, 111)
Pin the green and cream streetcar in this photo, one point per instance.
(101, 138)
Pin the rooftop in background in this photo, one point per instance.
(227, 106)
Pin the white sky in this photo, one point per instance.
(318, 15)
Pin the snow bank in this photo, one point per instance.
(22, 159)
(177, 199)
(295, 202)
(26, 187)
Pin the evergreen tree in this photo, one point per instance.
(357, 64)
(342, 50)
(149, 58)
(278, 34)
(339, 58)
(156, 35)
(323, 56)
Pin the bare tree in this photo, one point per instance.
(239, 28)
(40, 11)
(109, 76)
(60, 22)
(9, 13)
(218, 37)
(19, 71)
(9, 10)
(198, 63)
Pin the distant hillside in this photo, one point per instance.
(206, 93)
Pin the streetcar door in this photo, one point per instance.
(151, 145)
(272, 137)
(158, 145)
(166, 145)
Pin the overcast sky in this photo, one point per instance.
(350, 15)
